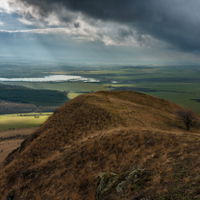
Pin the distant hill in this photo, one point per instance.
(31, 97)
(106, 132)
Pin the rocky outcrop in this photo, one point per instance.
(113, 186)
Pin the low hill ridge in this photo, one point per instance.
(91, 134)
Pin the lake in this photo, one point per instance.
(52, 78)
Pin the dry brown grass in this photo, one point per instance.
(101, 132)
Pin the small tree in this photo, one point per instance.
(187, 117)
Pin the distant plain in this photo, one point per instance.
(179, 84)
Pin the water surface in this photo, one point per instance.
(52, 78)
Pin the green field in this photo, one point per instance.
(15, 121)
(73, 95)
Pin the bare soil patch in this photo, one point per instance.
(12, 139)
(7, 147)
(22, 132)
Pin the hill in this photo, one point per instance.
(16, 99)
(105, 132)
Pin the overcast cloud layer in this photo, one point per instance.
(129, 29)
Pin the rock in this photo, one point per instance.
(111, 185)
(106, 183)
(10, 196)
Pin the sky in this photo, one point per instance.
(135, 32)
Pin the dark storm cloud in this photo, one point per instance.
(174, 21)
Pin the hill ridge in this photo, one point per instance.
(94, 133)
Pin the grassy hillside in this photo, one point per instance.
(106, 132)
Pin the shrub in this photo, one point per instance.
(188, 117)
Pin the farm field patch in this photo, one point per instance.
(16, 121)
(73, 95)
